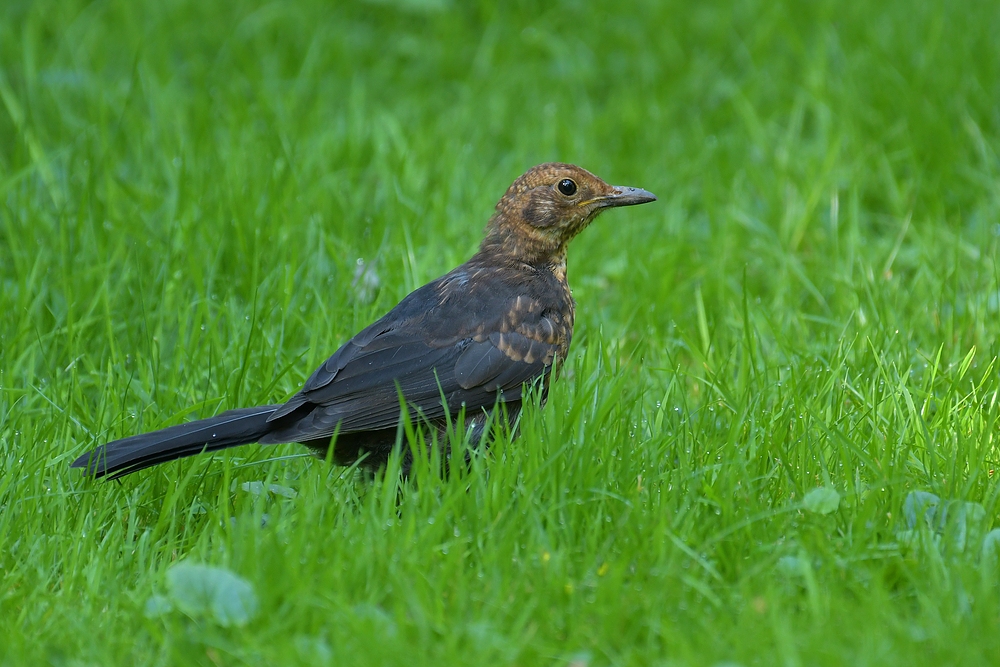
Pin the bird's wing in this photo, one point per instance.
(480, 361)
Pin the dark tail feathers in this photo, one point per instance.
(232, 428)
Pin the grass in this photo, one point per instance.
(186, 192)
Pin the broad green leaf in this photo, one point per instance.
(823, 500)
(204, 591)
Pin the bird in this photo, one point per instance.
(469, 344)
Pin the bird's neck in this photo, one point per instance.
(522, 245)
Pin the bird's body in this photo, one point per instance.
(469, 340)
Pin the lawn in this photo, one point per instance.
(774, 441)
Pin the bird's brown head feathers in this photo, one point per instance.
(550, 204)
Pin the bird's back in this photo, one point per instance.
(467, 340)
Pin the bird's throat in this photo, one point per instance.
(524, 244)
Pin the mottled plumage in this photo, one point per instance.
(475, 336)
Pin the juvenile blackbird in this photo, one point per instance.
(471, 339)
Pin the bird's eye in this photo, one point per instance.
(567, 187)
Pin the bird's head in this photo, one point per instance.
(550, 204)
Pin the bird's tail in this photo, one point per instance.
(232, 428)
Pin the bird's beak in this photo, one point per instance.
(624, 196)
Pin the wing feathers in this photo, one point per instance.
(478, 362)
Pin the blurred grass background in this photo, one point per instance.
(200, 201)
